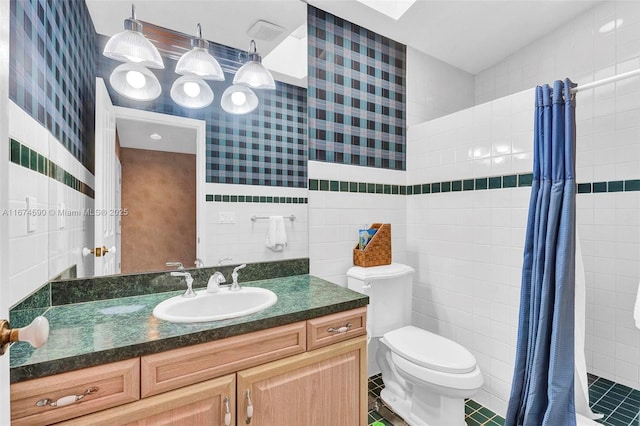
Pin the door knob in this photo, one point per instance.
(98, 251)
(35, 333)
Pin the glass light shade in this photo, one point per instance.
(239, 99)
(190, 91)
(133, 46)
(135, 82)
(254, 75)
(199, 62)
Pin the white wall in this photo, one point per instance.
(53, 246)
(467, 246)
(244, 240)
(435, 88)
(608, 120)
(577, 50)
(336, 217)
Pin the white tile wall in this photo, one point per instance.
(467, 246)
(244, 240)
(336, 217)
(54, 246)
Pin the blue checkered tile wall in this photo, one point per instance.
(356, 94)
(52, 70)
(265, 147)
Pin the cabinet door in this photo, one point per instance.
(327, 386)
(205, 403)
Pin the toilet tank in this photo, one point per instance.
(389, 288)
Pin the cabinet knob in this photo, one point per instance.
(342, 329)
(35, 333)
(66, 400)
(249, 407)
(227, 412)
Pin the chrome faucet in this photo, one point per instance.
(234, 276)
(189, 280)
(214, 282)
(178, 265)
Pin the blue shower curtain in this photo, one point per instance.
(542, 391)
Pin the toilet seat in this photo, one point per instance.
(460, 382)
(430, 351)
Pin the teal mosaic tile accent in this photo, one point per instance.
(26, 157)
(615, 186)
(468, 185)
(525, 179)
(218, 198)
(510, 181)
(584, 188)
(481, 183)
(495, 182)
(599, 187)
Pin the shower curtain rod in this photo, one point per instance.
(605, 81)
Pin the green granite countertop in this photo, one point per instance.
(93, 333)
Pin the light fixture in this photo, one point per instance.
(131, 45)
(135, 82)
(191, 91)
(253, 73)
(239, 99)
(198, 61)
(155, 136)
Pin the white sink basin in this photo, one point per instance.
(223, 304)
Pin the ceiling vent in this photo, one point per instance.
(266, 31)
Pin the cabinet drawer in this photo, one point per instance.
(117, 383)
(182, 367)
(335, 328)
(200, 404)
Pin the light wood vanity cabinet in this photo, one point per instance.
(274, 371)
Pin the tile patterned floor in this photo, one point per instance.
(620, 405)
(475, 414)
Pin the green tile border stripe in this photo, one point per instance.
(220, 198)
(28, 158)
(361, 187)
(458, 185)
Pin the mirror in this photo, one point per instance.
(193, 186)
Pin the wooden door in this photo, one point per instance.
(106, 216)
(201, 404)
(327, 386)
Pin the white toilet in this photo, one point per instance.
(426, 377)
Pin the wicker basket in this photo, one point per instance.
(378, 250)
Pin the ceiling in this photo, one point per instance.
(469, 34)
(136, 134)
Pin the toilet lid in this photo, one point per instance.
(430, 350)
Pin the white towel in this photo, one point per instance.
(636, 309)
(276, 235)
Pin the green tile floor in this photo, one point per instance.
(620, 405)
